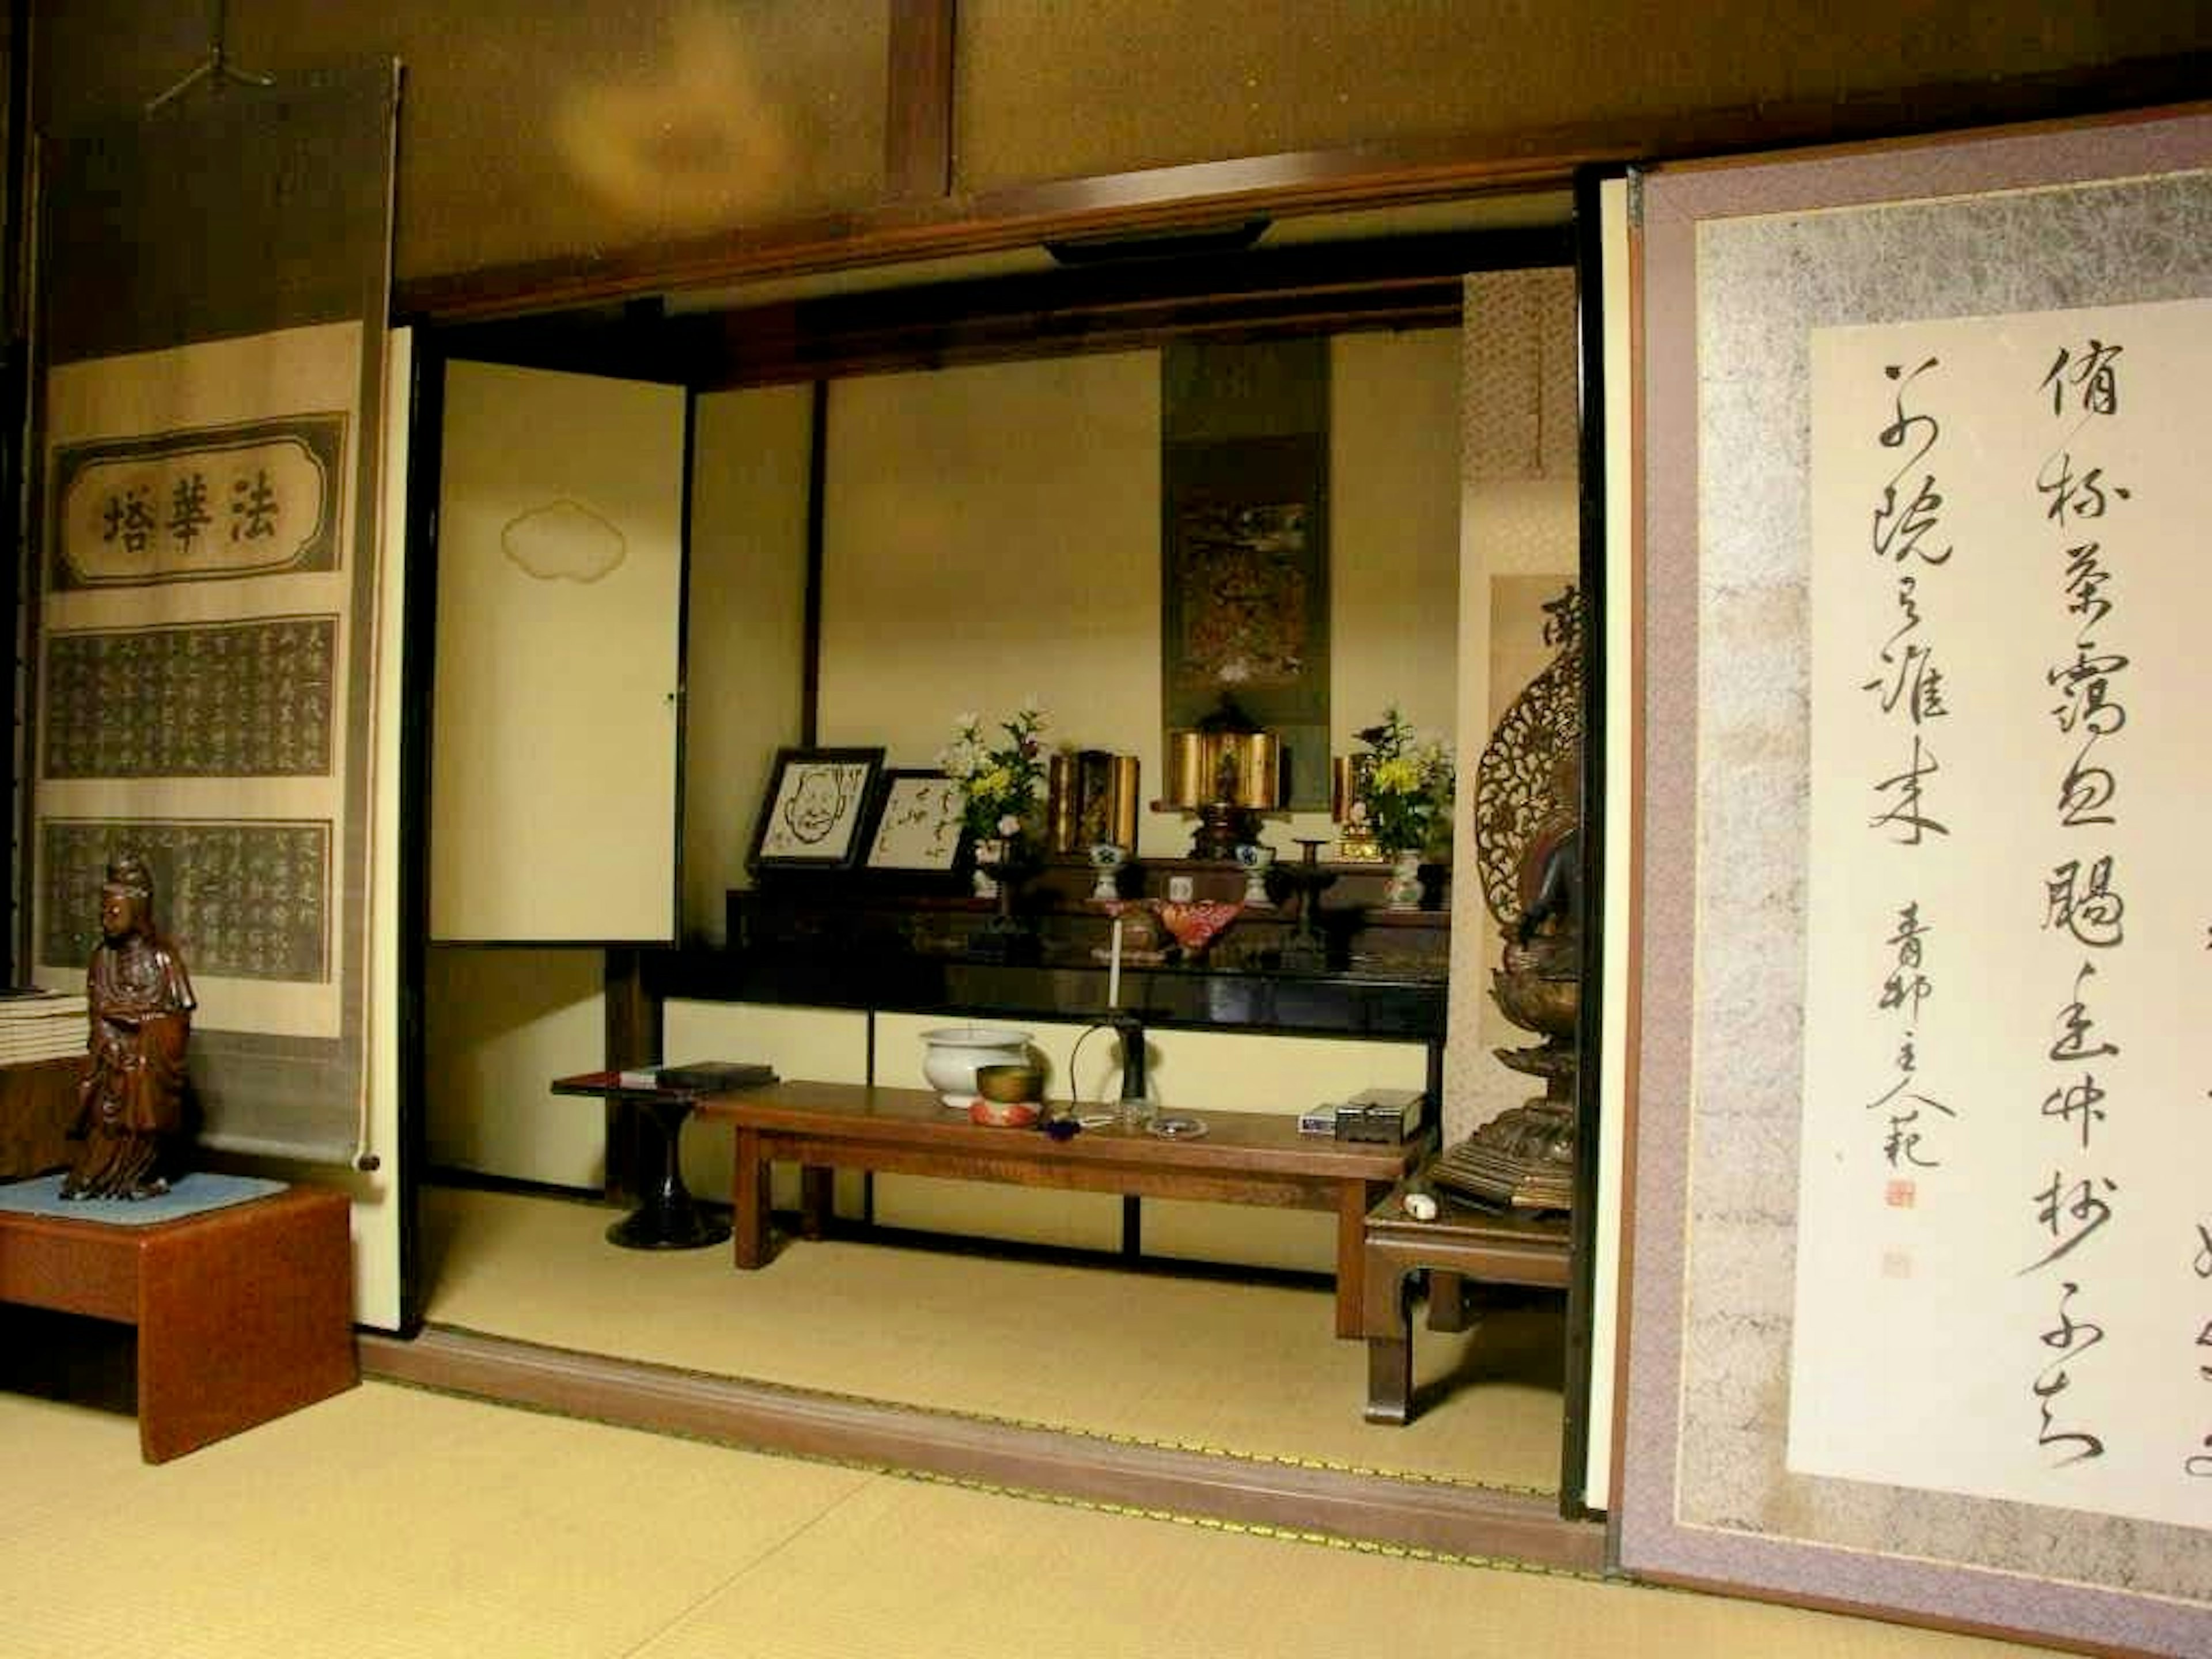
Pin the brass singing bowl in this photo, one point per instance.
(1009, 1085)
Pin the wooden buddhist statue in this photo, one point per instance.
(131, 1112)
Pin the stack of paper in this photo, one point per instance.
(39, 1024)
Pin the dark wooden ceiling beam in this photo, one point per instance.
(1209, 194)
(1405, 282)
(1410, 282)
(764, 355)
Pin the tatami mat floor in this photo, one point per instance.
(1248, 1368)
(395, 1523)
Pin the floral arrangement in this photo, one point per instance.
(1408, 792)
(1001, 785)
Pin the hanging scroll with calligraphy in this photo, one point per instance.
(210, 590)
(2009, 663)
(1921, 1247)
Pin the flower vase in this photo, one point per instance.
(1404, 891)
(1257, 859)
(1009, 936)
(1106, 860)
(989, 855)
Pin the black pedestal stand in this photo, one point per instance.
(667, 1217)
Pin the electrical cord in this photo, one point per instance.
(1074, 1096)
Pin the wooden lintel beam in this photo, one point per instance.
(931, 221)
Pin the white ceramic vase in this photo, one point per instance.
(987, 855)
(1255, 857)
(1106, 860)
(953, 1053)
(1404, 892)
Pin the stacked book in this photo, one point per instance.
(701, 1077)
(1370, 1115)
(39, 1025)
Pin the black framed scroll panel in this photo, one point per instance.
(1919, 1306)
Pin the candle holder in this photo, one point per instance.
(1009, 936)
(1133, 1108)
(1307, 950)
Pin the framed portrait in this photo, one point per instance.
(817, 801)
(917, 823)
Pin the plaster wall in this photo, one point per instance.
(994, 533)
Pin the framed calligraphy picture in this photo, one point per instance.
(1922, 1307)
(818, 800)
(917, 823)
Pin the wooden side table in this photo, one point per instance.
(242, 1313)
(1245, 1157)
(1463, 1242)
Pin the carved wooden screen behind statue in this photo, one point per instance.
(1923, 1303)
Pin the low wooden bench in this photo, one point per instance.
(1245, 1157)
(242, 1313)
(1463, 1242)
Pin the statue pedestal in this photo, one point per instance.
(1524, 1157)
(242, 1313)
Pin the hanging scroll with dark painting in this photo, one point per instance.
(1244, 565)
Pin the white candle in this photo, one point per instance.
(1113, 967)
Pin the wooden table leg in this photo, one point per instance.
(1387, 1318)
(749, 1202)
(1389, 1380)
(1448, 1300)
(815, 1186)
(1354, 1200)
(244, 1314)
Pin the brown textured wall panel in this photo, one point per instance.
(1059, 88)
(530, 132)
